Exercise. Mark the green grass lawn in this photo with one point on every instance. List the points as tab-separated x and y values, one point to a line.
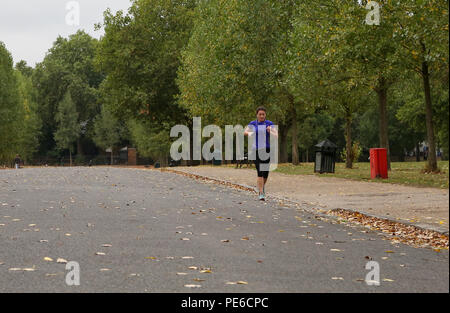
405	173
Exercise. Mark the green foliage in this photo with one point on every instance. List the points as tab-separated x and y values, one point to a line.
153	142
354	153
314	64
108	130
140	54
315	128
321	62
24	69
441	112
67	67
29	124
68	129
19	123
233	61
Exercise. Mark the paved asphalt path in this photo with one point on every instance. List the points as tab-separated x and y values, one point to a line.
142	217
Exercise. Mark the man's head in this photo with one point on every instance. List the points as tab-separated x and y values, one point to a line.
261	114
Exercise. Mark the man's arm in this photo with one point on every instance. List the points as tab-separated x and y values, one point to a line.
248	130
272	130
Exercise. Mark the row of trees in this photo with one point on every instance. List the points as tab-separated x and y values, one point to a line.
19	121
317	65
304	57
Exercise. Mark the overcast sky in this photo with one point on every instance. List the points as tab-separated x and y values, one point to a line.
28	28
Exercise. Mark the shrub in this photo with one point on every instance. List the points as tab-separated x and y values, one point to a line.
354	153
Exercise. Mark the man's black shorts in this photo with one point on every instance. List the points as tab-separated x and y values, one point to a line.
262	166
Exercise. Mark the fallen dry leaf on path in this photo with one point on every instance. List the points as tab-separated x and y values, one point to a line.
206	271
192	286
407	234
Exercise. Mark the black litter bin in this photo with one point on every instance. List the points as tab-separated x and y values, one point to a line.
325	157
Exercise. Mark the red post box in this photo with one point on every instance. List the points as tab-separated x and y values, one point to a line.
378	163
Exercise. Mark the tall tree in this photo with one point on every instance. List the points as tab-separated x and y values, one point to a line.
151	140
109	131
422	33
28	122
332	81
9	101
140	55
372	49
18	121
235	61
68	66
69	129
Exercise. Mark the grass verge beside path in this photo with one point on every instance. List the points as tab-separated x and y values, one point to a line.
405	173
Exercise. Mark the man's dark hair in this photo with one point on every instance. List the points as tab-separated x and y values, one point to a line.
260	109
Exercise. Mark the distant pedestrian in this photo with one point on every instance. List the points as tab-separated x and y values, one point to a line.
261	127
17	161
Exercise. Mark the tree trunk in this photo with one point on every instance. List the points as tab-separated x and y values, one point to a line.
191	161
112	156
295	159
432	162
283	131
348	141
79	147
383	122
307	155
70	156
417	152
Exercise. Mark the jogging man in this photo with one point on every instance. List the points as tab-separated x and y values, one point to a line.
261	127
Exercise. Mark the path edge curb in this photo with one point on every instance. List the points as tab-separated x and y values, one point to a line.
317	211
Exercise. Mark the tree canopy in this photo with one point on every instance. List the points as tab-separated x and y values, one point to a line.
331	69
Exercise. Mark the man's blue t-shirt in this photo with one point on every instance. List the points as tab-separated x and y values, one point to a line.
261	130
